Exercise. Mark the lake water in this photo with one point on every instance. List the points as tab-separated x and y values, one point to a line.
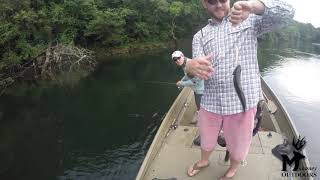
102	126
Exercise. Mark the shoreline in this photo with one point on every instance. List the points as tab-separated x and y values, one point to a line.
133	49
100	54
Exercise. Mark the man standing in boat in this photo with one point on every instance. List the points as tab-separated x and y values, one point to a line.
225	55
196	84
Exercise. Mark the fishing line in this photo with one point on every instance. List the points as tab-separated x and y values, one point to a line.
213	62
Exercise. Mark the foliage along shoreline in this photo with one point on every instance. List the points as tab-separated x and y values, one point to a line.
29	29
132	49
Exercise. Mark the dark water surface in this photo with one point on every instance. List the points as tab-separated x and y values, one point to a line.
102	126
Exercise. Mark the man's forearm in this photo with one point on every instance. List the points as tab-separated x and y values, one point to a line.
277	13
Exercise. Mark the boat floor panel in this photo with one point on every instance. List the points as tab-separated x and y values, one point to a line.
178	153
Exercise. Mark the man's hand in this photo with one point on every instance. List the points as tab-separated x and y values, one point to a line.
241	10
179	84
200	67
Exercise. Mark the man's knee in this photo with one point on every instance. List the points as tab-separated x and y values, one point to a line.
238	155
237	158
207	146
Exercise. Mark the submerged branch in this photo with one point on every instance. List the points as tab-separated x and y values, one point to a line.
49	65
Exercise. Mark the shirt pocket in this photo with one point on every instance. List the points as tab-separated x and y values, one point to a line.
240	28
240	37
239	33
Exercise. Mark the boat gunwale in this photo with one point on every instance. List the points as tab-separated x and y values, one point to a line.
160	135
306	162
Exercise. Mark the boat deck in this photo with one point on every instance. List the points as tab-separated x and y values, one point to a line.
178	153
172	150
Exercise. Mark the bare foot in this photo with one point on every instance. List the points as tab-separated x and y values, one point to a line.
229	174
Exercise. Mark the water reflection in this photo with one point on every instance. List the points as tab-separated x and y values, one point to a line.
295	79
98	128
299	76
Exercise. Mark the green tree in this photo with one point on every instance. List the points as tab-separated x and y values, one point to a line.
175	10
29	27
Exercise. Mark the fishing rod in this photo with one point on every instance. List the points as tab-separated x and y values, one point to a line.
159	82
163	83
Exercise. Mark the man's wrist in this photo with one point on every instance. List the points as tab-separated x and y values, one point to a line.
257	7
187	70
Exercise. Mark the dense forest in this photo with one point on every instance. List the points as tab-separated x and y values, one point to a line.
30	28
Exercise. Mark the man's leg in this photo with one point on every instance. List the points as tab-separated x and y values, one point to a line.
197	98
238	135
209	125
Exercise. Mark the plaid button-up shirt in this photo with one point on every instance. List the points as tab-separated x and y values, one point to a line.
232	46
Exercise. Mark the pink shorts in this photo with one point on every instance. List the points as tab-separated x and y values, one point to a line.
237	130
